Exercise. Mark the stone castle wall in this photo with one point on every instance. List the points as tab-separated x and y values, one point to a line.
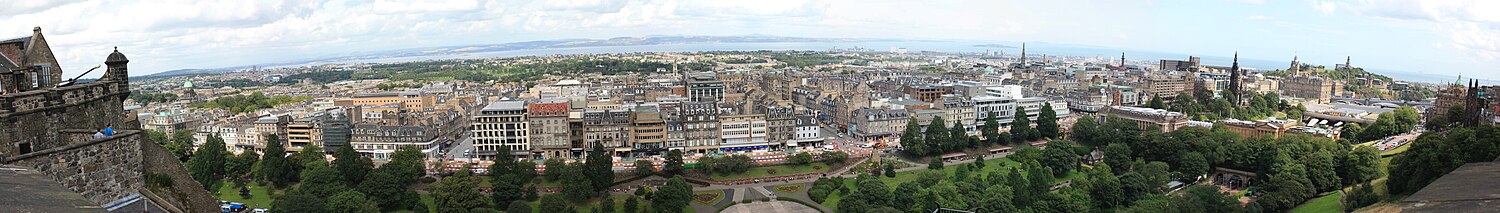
102	170
38	118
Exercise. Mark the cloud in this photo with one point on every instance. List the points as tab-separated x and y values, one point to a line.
1471	26
1250	1
1258	17
10	8
1326	7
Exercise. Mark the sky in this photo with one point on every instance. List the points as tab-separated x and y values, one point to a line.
1447	37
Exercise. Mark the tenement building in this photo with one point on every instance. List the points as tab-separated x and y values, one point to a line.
1312	88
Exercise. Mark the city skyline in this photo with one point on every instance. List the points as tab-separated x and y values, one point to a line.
1438	37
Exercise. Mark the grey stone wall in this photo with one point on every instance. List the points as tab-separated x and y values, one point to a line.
102	170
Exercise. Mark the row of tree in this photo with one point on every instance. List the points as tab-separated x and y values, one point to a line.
1401	120
937	138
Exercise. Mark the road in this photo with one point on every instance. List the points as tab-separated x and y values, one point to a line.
455	151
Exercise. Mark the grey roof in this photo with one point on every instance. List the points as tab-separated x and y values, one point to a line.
22	39
506	105
1470	188
116	57
29	191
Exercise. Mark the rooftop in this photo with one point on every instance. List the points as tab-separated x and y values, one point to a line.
506	105
1470	188
30	191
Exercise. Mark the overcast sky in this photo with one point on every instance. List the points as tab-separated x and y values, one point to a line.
1434	36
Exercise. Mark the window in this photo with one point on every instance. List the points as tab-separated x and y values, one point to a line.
24	147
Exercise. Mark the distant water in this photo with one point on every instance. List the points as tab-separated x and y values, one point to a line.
1034	49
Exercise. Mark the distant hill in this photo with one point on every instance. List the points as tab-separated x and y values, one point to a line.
525	45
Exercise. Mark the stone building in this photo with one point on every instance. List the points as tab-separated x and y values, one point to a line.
549	127
648	132
700	121
609	128
878	123
1148	118
781	124
1312	88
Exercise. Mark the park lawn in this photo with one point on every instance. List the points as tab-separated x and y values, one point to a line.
991	165
1326	203
1398	150
780	170
832	202
259	194
484	181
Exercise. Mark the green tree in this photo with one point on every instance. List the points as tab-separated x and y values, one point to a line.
911	139
389	191
959	139
352	165
1193	165
577	187
1117	154
935	164
519	207
991	129
835	157
996	198
936	136
320	180
1351	131
458	193
598	168
407	164
631	204
1361	165
674	164
673	196
553	168
1085	131
802	158
507	190
644	167
555	204
1156	103
207	165
1059	157
1157	174
1322	171
311	153
1107	189
241	165
297	202
890	170
1020	126
274	167
1046	121
350	202
607	205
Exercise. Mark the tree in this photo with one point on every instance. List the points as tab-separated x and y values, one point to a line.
1020	126
935	164
351	165
1046	122
382	186
631	204
801	158
350	202
890	170
991	129
673	196
311	153
911	139
606	206
598	168
1107	189
936	136
521	207
458	193
504	162
320	180
644	167
996	198
297	202
273	167
576	187
553	168
1156	103
1193	165
555	204
1322	171
182	143
1157	173
241	165
1085	131
207	165
407	164
835	157
506	191
1119	155
1059	157
1361	165
674	164
959	139
1134	186
1351	131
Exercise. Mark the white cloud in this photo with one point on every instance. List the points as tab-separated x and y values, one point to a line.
1471	26
1258	17
1326	7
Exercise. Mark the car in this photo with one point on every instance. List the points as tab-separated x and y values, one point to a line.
260	210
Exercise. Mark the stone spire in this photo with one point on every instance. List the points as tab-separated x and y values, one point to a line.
1347	65
1122	60
1023	54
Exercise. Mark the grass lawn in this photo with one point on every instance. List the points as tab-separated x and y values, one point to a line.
780	170
990	165
832	202
589	205
484	180
1327	203
259	195
1398	150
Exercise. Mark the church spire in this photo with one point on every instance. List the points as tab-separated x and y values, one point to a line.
1346	63
1122	60
1023	54
1234	79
